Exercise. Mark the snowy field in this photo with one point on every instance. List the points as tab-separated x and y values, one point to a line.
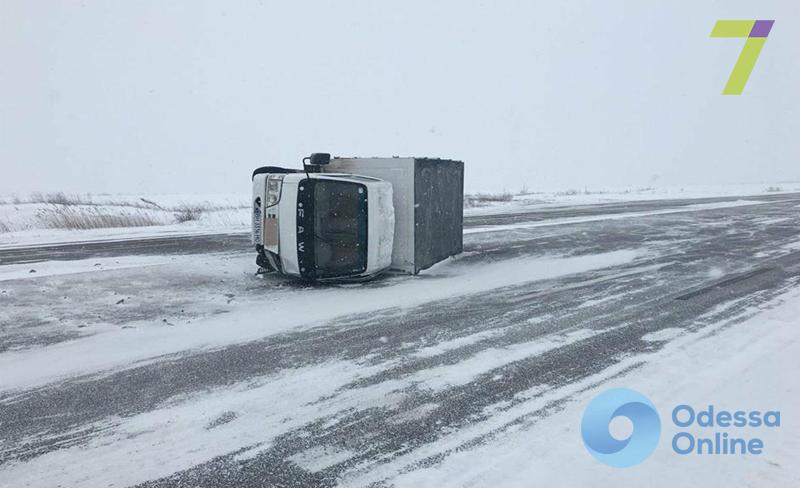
594	196
58	217
147	364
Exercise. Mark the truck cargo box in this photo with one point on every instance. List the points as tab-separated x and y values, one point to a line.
428	197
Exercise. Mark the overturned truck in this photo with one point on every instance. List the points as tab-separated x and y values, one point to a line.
350	219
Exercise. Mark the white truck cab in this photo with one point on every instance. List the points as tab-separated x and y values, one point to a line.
349	219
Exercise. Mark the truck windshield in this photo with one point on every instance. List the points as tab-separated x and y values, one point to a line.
339	222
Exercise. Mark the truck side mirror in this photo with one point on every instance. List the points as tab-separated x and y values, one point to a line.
317	159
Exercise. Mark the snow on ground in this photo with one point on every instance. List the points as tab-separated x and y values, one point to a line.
278	312
593	196
36	219
42	219
244	416
758	354
614	216
466	371
187	432
43	237
54	268
749	365
69	299
746	365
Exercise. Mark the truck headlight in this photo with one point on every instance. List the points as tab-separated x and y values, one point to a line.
274	184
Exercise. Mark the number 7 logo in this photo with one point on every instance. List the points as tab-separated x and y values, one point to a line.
756	32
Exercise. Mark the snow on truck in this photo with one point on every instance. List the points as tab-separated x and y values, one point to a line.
344	219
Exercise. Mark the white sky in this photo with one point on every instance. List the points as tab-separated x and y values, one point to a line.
189	96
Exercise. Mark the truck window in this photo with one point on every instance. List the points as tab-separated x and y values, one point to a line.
339	223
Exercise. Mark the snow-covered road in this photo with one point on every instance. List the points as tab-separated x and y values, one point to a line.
169	368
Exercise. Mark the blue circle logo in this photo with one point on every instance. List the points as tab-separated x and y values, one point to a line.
597	419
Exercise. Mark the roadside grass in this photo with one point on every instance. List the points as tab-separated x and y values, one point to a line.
70	211
74	199
572	192
483	199
82	218
188	213
96	217
59	198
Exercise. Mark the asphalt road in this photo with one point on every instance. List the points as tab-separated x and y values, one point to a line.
700	267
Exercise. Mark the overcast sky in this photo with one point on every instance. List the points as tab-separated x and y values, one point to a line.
189	96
